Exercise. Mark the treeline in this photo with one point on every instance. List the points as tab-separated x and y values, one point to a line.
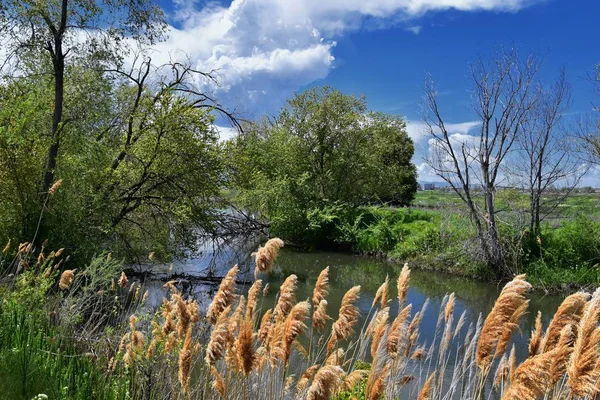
102	149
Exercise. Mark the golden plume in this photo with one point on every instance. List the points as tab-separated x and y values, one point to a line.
397	331
530	380
123	280
224	296
427	389
66	279
294	326
320	316
569	313
185	361
245	347
536	336
510	301
379	327
306	377
321	288
326	382
343	327
265	256
253	294
583	366
381	296
219	339
55	187
287	297
402	285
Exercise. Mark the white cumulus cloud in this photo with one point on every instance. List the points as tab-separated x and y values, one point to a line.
263	50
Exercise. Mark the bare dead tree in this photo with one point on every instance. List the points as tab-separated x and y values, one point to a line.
546	157
589	130
504	96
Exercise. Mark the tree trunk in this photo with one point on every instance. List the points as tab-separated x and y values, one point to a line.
58	64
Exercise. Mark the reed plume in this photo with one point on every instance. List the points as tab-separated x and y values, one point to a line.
321	288
381	296
502	372
320	316
265	256
379	328
402	285
253	294
185	361
287	297
560	361
122	282
336	358
449	309
536	336
294	326
427	389
224	296
265	325
219	339
397	332
245	347
343	327
306	377
530	380
378	386
218	383
326	382
55	187
583	369
66	279
510	301
418	354
509	328
354	378
569	313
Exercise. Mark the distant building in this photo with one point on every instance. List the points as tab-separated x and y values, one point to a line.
428	186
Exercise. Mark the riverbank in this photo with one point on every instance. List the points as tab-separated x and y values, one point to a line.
440	237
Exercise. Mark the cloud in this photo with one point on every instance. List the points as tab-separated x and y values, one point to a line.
416	29
226	132
263	50
417	130
591	177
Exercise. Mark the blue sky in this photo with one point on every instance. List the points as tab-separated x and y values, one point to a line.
265	50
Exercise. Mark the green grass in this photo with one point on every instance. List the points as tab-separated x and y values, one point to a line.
511	200
37	359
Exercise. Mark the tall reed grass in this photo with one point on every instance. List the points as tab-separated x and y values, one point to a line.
300	350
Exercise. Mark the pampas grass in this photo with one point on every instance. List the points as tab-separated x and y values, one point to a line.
224	297
238	350
265	256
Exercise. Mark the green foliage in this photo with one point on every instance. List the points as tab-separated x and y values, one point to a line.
569	253
36	359
321	158
358	391
131	188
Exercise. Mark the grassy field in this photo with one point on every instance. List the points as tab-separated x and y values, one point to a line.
511	200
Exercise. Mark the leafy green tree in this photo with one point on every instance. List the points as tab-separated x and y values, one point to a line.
323	156
58	31
140	161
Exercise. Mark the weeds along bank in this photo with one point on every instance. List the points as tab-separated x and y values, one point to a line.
564	254
80	334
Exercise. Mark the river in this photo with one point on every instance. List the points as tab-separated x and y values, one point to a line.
346	270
